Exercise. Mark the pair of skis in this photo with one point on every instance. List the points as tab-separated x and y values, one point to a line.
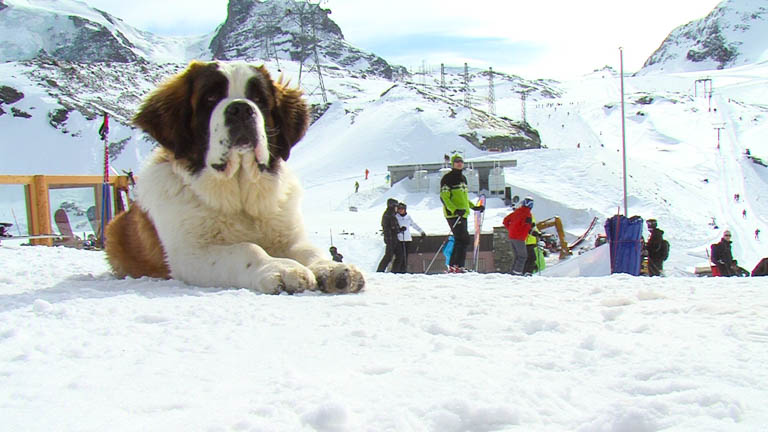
479	216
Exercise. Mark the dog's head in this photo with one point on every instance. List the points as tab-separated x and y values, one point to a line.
218	116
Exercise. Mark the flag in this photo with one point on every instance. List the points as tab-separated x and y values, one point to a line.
104	129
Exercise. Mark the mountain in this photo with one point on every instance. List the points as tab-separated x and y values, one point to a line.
733	34
70	30
286	29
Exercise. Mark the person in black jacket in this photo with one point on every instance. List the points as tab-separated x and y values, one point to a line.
390	228
654	248
722	257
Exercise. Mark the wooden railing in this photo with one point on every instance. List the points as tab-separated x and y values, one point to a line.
36	194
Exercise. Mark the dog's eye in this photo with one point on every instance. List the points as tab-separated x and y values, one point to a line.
211	99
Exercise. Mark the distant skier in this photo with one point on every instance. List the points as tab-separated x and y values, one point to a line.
744	213
335	255
404	236
390	229
357	186
757	234
519	224
366	173
456	206
655	248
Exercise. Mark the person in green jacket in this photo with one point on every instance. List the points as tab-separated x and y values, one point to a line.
456	206
531	242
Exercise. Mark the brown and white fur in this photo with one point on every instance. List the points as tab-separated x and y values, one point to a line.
216	204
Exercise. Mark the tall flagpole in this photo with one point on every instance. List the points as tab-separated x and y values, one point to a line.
623	135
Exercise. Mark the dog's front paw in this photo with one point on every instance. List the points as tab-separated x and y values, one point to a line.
334	277
284	275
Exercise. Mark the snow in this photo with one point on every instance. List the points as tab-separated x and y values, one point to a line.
82	350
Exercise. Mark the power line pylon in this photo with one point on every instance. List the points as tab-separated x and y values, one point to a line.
523	99
467	101
306	18
442	79
491	93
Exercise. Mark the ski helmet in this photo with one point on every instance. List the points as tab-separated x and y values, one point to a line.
402	206
527	202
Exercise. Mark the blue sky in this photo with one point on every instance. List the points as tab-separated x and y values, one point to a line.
534	39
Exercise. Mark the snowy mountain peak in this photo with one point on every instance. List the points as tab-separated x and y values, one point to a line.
733	34
286	29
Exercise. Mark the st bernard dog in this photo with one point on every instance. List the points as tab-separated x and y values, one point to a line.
216	205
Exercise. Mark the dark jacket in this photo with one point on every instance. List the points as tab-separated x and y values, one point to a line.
654	245
721	253
389	225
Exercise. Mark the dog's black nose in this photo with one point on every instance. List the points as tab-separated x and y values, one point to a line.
238	110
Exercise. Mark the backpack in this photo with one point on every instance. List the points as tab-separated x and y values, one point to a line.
664	250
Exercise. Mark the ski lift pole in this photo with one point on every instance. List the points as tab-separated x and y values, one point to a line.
105	193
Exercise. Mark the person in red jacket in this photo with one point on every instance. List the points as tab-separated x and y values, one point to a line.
519	223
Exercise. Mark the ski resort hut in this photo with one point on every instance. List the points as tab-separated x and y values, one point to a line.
420	180
496	181
473	179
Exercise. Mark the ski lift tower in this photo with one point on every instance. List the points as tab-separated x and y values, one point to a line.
270	51
467	102
305	14
706	84
442	79
523	99
491	93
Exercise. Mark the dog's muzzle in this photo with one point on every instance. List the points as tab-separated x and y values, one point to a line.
240	120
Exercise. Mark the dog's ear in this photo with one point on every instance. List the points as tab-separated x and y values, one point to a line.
291	117
166	114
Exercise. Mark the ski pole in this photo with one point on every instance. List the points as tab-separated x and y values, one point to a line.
441	246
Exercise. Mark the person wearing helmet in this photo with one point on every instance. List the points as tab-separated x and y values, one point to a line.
335	255
389	229
519	224
654	248
456	205
404	237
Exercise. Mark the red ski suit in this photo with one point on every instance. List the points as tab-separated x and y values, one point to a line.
519	223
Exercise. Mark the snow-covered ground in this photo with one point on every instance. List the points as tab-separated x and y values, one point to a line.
80	350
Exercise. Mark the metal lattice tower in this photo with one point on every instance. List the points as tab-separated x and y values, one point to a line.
442	79
467	101
303	14
491	93
523	99
270	50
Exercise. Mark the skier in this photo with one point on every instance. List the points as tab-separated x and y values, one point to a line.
404	236
335	255
519	224
357	186
757	234
390	229
744	213
456	206
366	173
655	248
721	255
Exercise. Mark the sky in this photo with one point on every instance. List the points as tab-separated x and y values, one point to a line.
559	38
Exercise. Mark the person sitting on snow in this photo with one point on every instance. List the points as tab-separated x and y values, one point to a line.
722	257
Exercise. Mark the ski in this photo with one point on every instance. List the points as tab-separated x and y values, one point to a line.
478	230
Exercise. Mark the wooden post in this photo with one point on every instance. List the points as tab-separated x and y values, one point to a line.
41	211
